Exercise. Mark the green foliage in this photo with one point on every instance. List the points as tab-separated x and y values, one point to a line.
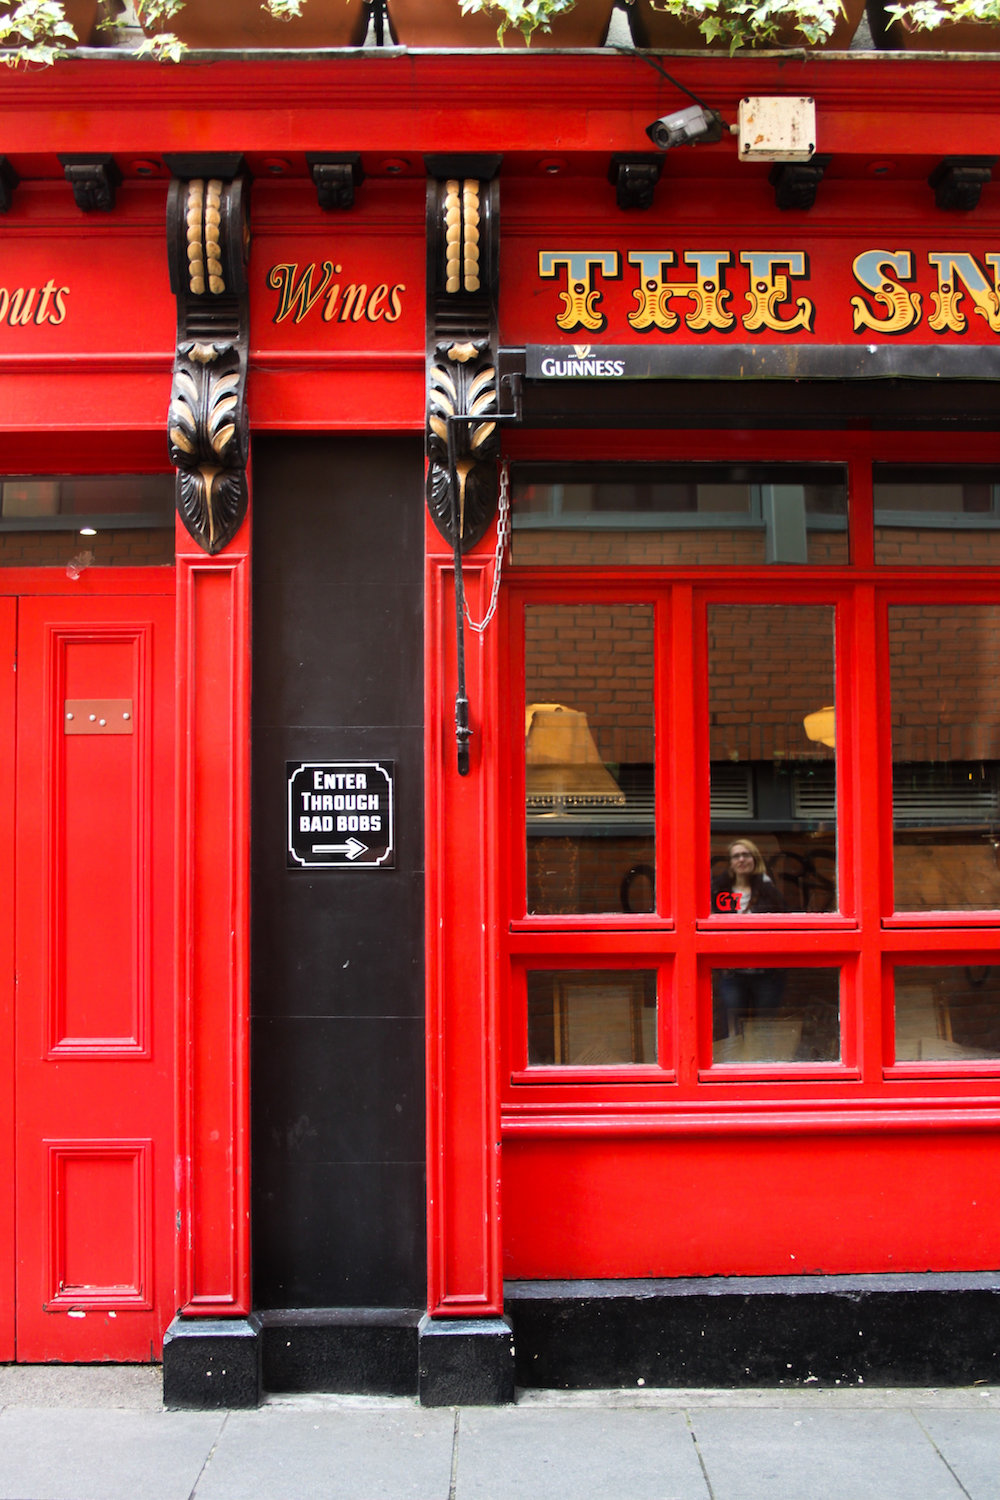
758	23
37	31
928	15
34	32
525	16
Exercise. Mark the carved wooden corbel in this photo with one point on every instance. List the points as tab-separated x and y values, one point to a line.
462	383
208	241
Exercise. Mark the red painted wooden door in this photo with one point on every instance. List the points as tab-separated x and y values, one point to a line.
93	951
8	641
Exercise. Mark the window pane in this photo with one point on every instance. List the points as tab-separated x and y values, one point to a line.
110	548
936	516
775	1015
589	757
947	1013
653	514
591	1017
945	756
773	753
66	500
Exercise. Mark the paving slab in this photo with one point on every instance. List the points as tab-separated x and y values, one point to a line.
280	1453
969	1442
821	1454
102	1454
131	1387
536	1454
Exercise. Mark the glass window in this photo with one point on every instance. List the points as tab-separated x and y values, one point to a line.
651	514
589	757
591	1017
946	756
934	516
65	502
775	1015
772	738
947	1013
81	521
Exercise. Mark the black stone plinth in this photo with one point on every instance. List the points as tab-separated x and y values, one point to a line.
465	1362
212	1362
876	1330
364	1351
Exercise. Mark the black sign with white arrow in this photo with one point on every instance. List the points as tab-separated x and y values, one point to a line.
341	815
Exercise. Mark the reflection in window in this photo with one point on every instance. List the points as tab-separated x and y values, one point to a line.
773	750
591	1017
77	521
589	757
947	1013
946	754
927	516
655	514
768	1015
64	501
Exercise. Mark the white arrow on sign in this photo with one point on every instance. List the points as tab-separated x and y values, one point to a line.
353	848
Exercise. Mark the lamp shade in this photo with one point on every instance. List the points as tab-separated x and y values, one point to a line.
822	726
562	763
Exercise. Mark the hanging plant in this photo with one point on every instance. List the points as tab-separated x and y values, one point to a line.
523	16
35	32
928	15
758	23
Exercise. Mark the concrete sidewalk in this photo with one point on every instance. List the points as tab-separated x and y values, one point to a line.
100	1433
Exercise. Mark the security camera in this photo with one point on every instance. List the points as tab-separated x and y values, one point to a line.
686	127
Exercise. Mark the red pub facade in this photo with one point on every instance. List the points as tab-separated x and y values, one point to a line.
385	1010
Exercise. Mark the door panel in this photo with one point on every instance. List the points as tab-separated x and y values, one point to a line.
94	846
8	625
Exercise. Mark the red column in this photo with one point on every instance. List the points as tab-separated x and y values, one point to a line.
213	833
465	1277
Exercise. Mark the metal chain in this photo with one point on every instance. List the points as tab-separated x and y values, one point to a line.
503	534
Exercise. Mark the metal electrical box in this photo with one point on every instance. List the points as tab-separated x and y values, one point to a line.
777	129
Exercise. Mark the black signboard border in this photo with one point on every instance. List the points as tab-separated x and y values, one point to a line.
387	861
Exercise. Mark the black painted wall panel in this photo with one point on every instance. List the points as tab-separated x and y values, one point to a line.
337	956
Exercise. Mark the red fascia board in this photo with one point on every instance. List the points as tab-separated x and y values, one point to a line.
393	101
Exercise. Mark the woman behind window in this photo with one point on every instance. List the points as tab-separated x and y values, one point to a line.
746	994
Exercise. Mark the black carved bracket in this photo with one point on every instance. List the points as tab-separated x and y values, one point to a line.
958	181
795	183
634	179
8	182
208	243
94	179
462	337
337	179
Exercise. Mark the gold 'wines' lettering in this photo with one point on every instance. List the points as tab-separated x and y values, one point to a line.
23	306
303	289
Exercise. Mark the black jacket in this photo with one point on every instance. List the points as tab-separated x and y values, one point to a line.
764	895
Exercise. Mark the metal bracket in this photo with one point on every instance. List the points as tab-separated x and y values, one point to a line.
8	182
958	181
634	179
94	180
795	182
98	716
337	179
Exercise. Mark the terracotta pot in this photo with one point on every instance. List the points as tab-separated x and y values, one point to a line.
960	36
235	24
651	28
82	16
440	23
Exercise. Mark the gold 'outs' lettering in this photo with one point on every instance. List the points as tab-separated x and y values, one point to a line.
313	286
25	305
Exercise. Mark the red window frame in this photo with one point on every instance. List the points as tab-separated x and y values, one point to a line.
866	938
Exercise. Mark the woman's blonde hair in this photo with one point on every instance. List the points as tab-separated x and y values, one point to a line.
759	867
